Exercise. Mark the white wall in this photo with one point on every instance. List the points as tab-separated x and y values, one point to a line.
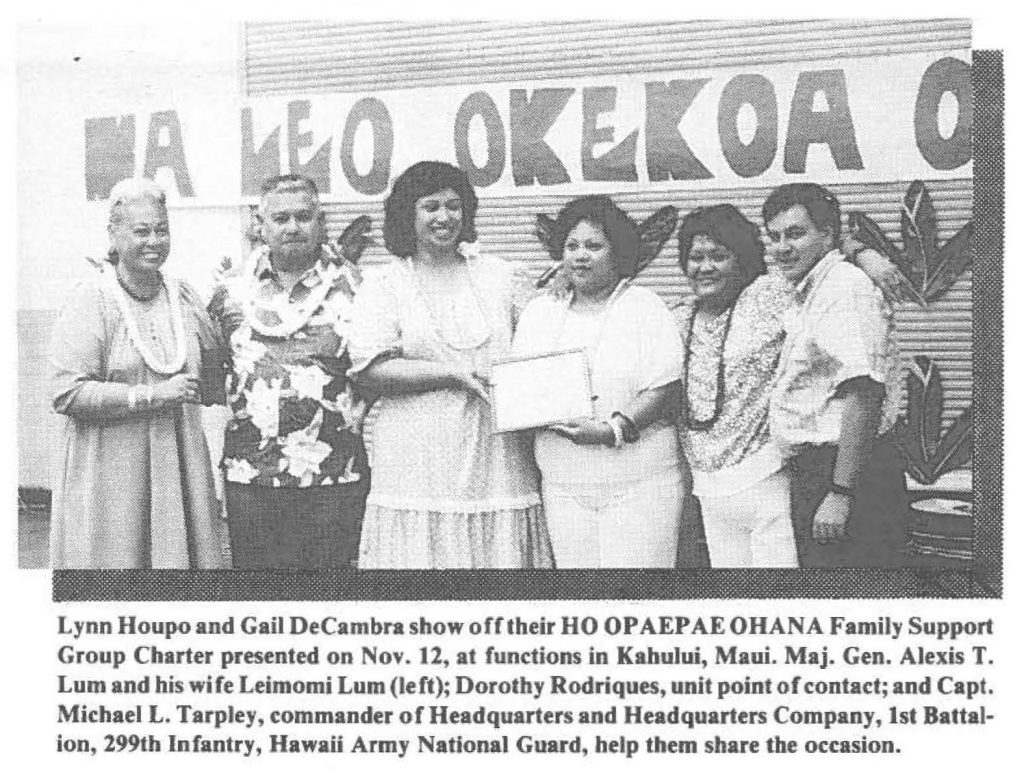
64	75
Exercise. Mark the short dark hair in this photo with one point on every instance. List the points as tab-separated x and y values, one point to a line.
819	202
726	225
419	180
618	227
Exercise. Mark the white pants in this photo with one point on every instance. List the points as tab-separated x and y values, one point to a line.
615	525
751	528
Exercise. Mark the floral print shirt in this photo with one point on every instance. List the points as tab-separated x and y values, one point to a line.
734	451
294	416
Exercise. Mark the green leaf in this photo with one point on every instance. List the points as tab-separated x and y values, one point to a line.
355	238
929	453
866	231
931	412
654	232
917	223
917	464
924	409
544	229
952	260
957	445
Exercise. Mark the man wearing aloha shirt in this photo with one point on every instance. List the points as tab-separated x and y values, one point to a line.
295	467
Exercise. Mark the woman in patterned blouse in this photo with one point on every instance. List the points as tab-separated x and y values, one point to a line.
732	337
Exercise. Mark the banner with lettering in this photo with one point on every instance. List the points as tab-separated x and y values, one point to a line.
854	120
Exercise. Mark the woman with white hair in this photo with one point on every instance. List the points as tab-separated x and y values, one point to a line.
133	356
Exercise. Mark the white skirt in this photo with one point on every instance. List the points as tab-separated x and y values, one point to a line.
397	539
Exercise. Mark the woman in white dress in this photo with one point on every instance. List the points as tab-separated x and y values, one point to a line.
445	490
613	486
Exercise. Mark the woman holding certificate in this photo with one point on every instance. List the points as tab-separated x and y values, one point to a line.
446	490
613	484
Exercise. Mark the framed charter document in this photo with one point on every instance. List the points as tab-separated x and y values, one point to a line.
538	390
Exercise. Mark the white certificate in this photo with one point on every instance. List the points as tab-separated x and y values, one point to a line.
538	390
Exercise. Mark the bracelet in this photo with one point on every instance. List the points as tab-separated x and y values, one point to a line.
838	489
629	430
616	432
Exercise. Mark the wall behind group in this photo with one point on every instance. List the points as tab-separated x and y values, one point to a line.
66	74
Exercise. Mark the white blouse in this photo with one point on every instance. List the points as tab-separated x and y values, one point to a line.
840	329
632	346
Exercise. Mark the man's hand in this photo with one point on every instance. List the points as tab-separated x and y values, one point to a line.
831	518
885	275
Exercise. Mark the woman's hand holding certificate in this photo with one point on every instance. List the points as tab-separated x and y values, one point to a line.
586	432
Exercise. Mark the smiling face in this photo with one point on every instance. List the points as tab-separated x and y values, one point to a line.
438	222
589	259
795	244
292	224
716	272
140	236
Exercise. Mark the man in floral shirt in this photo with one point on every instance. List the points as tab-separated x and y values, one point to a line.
295	467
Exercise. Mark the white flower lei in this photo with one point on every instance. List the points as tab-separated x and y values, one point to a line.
292	319
177	360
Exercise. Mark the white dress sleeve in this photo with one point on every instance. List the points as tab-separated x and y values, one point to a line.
375	329
660	347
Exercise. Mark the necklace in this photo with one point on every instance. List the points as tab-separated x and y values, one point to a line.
177	360
293	318
133	295
693	423
461	344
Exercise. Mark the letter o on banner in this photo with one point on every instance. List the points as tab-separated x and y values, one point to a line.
480	103
953	76
376	180
749	160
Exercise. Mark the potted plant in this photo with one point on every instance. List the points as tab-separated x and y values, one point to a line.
938	461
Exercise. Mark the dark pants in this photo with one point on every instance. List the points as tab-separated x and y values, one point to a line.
692	551
282	527
878	517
